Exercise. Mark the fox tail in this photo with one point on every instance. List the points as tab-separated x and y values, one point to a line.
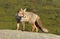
39	22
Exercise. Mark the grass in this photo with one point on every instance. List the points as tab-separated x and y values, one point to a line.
50	14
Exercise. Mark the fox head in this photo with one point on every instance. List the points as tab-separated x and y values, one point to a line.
21	12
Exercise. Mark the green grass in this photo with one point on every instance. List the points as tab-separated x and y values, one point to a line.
49	13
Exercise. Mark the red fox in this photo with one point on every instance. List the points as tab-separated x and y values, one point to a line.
23	16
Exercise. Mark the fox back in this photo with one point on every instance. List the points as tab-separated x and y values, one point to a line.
30	17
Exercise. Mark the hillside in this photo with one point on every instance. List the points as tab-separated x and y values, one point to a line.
14	34
48	10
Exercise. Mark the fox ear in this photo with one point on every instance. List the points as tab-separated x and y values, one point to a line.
21	9
24	9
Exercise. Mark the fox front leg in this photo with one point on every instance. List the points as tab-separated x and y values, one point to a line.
17	27
18	24
23	25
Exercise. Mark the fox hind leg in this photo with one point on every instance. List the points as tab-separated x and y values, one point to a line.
34	27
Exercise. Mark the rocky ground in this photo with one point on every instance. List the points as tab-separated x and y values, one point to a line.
17	34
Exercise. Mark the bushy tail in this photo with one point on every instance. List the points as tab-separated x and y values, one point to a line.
39	21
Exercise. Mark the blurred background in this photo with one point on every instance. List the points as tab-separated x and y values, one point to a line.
48	10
